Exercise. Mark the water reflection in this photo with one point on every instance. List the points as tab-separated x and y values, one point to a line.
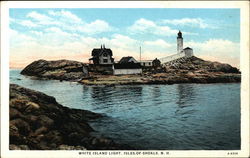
116	94
156	93
186	94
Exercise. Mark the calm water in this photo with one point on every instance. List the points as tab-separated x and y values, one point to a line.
179	116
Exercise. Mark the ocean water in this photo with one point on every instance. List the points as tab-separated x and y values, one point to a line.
170	117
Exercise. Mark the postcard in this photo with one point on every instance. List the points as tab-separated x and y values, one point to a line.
125	79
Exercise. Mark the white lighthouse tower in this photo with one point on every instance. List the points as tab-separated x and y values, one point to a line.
179	42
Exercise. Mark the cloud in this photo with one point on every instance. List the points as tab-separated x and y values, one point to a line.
66	15
144	26
28	23
216	47
123	41
158	43
19	39
217	50
37	33
40	18
71	22
97	26
65	20
191	22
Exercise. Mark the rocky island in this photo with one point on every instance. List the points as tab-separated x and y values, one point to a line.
38	122
187	70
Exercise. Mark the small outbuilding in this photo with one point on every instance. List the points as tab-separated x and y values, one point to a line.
188	52
128	59
127	66
127	69
146	63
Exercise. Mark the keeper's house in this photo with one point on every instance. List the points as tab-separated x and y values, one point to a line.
127	66
102	56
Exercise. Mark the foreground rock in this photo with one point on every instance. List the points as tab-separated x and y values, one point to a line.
188	70
58	70
38	122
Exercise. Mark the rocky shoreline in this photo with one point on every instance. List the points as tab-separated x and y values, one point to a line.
38	122
163	78
188	70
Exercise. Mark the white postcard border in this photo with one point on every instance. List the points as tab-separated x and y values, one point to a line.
244	58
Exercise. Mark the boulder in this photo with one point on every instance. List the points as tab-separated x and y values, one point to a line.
59	70
22	126
44	120
195	63
14	147
224	68
38	122
68	147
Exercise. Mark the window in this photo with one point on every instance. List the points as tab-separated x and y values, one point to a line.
105	60
149	63
105	54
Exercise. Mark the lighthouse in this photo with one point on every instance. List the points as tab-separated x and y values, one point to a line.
179	42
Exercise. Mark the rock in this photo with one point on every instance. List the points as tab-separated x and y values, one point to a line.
24	147
74	137
31	106
67	147
224	68
40	130
14	133
44	120
38	122
58	70
194	63
14	113
55	136
14	147
22	126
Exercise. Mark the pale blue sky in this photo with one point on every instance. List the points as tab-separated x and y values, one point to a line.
58	33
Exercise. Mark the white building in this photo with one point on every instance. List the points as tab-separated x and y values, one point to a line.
181	53
127	69
187	51
179	42
127	66
146	63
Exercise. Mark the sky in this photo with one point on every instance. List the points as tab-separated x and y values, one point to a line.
63	33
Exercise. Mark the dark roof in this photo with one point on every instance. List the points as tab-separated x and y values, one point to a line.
187	48
125	59
100	51
127	66
179	34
